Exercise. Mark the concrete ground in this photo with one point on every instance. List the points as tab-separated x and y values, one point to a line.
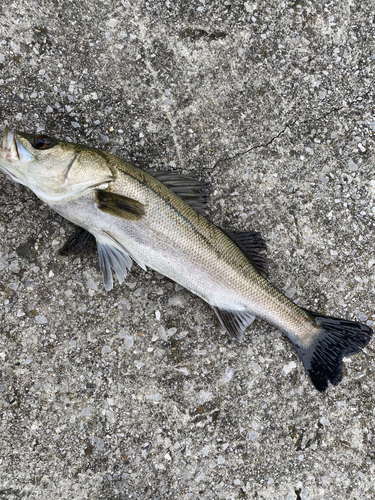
137	393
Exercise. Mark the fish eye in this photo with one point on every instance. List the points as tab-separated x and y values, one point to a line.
42	142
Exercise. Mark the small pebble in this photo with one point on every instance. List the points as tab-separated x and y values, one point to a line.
289	367
41	320
178	300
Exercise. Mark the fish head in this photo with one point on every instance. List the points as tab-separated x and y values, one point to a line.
53	169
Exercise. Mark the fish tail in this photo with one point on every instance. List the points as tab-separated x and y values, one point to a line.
336	339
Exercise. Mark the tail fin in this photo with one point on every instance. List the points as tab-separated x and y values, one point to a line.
337	338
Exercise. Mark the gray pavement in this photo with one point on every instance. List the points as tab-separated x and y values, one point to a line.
137	393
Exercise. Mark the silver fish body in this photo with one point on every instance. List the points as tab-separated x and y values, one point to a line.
135	216
176	241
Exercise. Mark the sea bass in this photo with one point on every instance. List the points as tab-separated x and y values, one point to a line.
155	219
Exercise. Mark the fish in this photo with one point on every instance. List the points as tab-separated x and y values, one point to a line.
157	219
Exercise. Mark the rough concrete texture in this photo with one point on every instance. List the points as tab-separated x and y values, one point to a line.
137	393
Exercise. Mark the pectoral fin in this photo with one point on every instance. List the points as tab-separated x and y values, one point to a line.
234	322
119	206
79	243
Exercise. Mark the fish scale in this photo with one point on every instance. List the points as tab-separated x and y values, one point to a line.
134	216
206	246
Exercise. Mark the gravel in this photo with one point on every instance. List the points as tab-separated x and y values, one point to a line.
138	393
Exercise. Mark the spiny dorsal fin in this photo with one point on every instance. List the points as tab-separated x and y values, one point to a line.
119	206
234	322
79	243
252	244
191	190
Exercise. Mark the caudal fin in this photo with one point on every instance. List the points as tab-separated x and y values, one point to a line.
337	338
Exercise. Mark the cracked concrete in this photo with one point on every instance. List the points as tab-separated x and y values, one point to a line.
137	393
284	128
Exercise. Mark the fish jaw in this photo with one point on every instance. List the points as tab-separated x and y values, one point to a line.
14	158
9	151
13	150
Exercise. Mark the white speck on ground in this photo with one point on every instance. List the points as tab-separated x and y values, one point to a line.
289	367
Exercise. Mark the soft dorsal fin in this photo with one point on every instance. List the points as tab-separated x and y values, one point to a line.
119	206
252	245
191	190
79	243
234	322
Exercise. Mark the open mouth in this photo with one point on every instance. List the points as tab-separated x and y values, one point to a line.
12	155
13	150
9	152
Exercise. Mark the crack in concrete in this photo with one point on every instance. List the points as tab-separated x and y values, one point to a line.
289	124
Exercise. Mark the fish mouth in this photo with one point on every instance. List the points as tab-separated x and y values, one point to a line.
9	151
14	156
13	150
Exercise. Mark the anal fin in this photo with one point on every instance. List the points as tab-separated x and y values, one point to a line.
234	322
